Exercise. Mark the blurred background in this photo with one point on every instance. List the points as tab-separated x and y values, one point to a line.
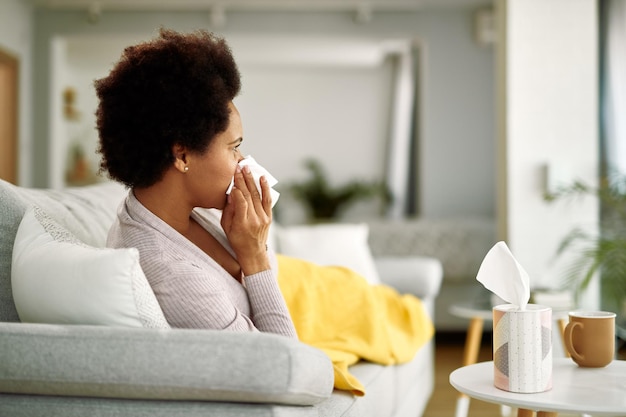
476	116
469	112
367	88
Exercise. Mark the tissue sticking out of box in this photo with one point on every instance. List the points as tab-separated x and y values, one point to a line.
501	274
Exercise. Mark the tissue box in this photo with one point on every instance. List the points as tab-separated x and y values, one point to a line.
522	348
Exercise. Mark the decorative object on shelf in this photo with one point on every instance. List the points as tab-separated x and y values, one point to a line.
324	202
69	104
604	254
79	173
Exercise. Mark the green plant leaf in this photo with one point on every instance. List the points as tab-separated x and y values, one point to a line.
325	202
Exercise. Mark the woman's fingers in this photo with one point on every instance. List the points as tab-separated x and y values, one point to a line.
239	203
266	199
250	183
248	209
258	202
246	220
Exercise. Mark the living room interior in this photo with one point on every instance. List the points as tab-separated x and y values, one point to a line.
467	110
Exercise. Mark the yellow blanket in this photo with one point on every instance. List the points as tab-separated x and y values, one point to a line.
337	311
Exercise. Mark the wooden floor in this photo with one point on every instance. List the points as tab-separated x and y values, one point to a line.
448	357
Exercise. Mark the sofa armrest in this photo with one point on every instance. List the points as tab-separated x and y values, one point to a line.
417	275
174	364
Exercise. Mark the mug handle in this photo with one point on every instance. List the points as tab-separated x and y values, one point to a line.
569	345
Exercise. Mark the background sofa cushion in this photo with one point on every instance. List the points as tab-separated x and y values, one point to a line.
58	279
337	244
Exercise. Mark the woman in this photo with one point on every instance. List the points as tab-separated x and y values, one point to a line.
170	132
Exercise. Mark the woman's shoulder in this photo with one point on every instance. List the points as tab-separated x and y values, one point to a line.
135	226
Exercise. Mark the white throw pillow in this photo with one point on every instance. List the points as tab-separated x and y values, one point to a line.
339	244
58	279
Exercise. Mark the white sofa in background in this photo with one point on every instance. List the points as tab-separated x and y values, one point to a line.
89	370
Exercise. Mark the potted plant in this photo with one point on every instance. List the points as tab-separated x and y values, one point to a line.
324	202
605	253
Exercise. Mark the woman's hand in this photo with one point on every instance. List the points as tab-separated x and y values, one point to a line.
246	220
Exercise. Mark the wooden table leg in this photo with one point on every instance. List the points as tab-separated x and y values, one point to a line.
562	325
472	341
522	412
470	355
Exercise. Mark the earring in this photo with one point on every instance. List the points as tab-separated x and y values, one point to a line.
186	169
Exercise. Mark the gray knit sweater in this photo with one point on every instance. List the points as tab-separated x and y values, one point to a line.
193	290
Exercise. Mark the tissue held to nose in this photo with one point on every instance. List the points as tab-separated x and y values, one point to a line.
257	172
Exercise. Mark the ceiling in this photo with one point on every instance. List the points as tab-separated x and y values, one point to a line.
257	5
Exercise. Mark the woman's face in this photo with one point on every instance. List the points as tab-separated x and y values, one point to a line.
212	172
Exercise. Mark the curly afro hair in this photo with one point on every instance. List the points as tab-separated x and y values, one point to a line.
172	90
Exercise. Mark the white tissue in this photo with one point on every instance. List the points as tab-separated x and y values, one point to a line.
257	172
501	274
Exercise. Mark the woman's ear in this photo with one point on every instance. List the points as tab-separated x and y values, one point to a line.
180	158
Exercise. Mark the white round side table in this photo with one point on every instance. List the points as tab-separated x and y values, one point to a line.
575	390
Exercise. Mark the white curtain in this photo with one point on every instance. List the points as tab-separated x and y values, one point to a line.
614	86
401	134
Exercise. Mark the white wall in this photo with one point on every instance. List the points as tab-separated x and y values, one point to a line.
456	166
330	103
547	115
338	115
16	38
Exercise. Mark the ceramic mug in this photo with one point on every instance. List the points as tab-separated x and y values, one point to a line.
590	338
522	348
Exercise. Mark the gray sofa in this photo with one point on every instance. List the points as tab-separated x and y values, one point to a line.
459	243
86	370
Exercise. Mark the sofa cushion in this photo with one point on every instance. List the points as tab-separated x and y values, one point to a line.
87	212
11	212
336	244
158	364
415	383
58	279
24	405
